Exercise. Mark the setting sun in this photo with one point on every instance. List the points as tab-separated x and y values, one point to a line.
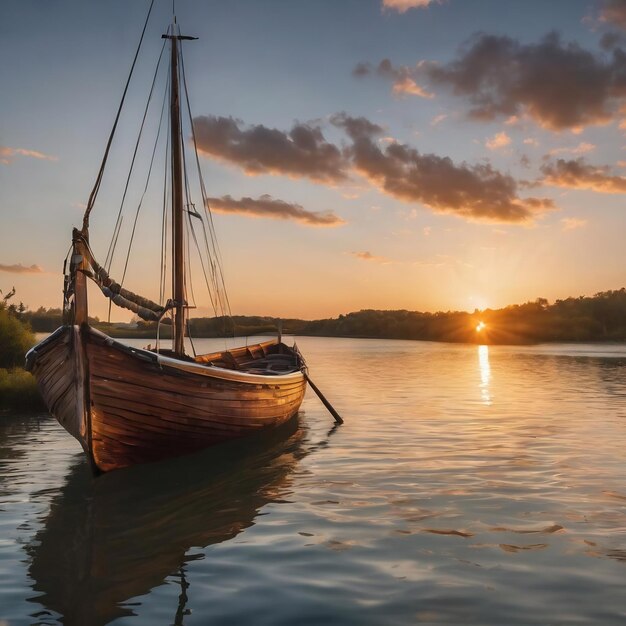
480	326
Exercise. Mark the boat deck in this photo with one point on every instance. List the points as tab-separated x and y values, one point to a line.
270	358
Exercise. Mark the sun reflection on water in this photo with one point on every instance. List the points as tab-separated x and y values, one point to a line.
485	373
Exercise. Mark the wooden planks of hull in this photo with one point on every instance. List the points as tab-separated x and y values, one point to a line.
53	363
141	407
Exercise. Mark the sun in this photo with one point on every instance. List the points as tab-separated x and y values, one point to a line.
480	326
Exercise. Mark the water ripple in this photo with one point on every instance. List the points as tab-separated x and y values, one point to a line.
468	485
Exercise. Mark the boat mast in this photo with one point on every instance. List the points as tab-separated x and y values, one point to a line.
178	254
178	257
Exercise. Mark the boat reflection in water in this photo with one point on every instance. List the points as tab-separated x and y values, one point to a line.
115	537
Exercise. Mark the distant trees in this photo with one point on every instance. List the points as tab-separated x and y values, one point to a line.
601	317
598	318
44	320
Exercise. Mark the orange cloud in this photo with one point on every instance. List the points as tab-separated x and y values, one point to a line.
403	77
577	174
581	148
402	6
266	206
7	154
18	268
368	256
499	140
407	85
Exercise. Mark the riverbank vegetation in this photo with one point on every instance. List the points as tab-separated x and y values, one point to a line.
18	389
601	317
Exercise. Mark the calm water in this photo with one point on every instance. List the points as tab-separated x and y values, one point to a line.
468	485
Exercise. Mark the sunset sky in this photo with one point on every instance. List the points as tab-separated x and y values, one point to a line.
388	154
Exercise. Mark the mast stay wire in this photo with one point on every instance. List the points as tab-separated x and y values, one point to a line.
213	252
216	257
191	230
118	223
96	187
132	236
163	261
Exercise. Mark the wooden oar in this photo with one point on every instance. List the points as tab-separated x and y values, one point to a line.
325	402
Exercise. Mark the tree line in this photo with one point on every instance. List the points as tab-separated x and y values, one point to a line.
601	317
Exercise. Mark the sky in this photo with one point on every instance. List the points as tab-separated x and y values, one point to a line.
385	154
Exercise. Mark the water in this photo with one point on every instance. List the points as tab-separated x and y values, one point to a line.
468	485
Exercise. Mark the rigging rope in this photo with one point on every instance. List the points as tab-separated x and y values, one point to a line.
209	254
94	191
118	223
132	236
215	258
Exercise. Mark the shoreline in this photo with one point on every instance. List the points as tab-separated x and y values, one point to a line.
150	335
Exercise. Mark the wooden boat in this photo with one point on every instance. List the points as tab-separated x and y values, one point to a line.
127	405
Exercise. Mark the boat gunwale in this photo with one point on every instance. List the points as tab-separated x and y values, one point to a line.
41	346
166	362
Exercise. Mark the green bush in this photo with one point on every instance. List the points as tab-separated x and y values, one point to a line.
18	390
16	338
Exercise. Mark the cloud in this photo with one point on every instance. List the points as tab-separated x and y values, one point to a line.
614	12
18	268
403	77
368	256
7	154
499	140
301	152
471	191
559	85
407	85
402	6
476	192
577	174
266	206
572	223
581	148
531	141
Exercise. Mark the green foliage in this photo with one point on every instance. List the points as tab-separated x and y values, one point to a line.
18	391
43	320
16	337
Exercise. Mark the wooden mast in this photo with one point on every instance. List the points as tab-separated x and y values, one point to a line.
178	256
178	244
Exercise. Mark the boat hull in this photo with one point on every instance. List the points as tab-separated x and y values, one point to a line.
128	406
